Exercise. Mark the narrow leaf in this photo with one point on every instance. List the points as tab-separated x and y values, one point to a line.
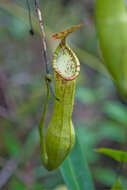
116	111
75	170
119	156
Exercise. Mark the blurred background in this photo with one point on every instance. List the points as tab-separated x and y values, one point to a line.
99	116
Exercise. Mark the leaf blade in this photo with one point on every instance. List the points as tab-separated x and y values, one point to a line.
80	170
117	155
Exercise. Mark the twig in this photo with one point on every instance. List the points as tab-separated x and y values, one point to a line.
8	170
44	47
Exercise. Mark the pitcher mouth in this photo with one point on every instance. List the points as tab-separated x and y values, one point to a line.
65	63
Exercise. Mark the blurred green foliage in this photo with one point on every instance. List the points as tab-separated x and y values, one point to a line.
99	115
117	186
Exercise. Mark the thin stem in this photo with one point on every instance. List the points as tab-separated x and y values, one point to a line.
44	47
30	19
41	124
52	92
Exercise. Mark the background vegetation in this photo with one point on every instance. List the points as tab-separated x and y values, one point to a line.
99	117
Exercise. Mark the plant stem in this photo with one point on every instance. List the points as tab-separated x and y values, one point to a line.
44	47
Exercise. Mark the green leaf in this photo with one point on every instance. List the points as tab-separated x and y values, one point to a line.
112	30
85	95
105	176
116	111
11	142
115	154
117	186
112	130
16	184
88	141
38	186
75	170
